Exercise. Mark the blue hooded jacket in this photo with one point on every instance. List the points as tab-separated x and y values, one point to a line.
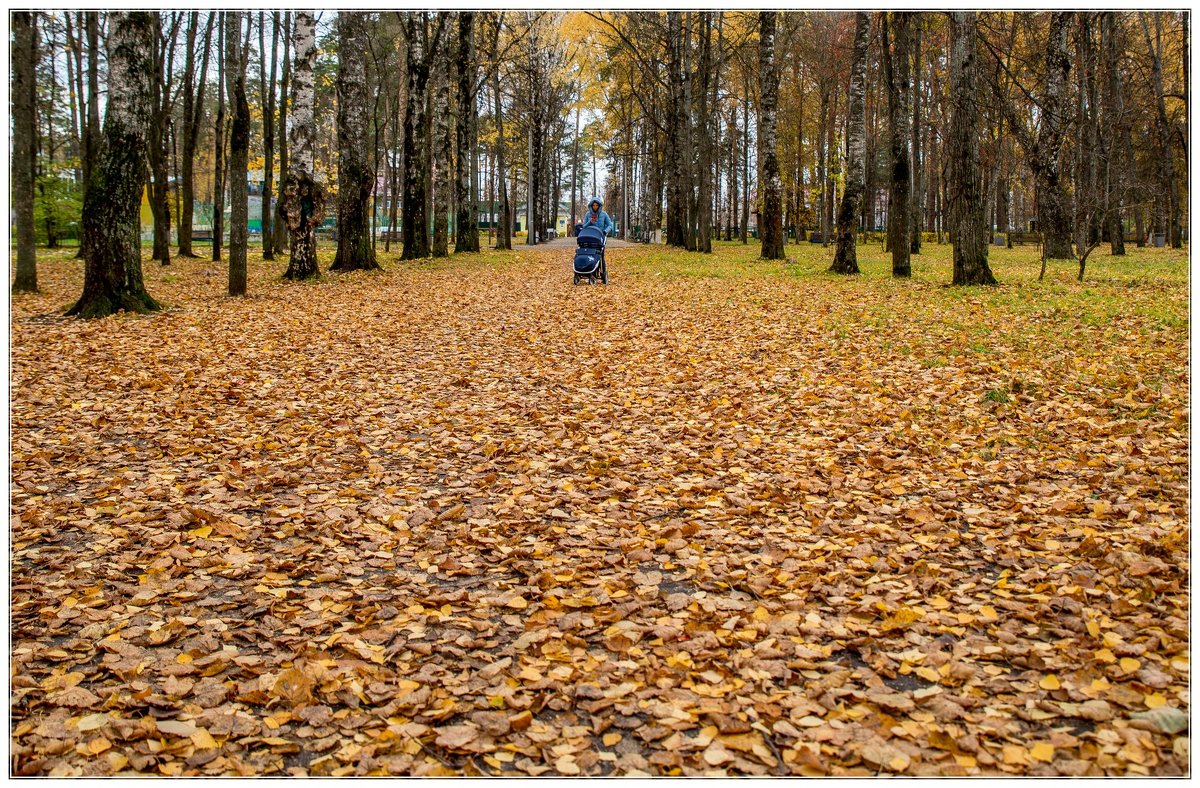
601	220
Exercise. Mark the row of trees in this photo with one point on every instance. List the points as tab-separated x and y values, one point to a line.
704	119
865	111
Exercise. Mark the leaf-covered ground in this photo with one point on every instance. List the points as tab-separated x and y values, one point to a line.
720	517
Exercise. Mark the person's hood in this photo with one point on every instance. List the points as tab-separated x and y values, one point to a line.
595	199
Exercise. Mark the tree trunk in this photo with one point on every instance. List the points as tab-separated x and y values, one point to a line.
504	222
845	259
443	143
678	180
466	229
304	196
281	234
745	158
771	213
1053	221
916	206
968	229
355	177
1169	186
415	221
160	98
218	221
896	69
267	100
1116	160
704	161
193	114
239	152
24	100
111	203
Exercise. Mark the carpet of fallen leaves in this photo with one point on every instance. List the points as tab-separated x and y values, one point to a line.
720	517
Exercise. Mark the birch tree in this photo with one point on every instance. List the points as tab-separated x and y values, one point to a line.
899	91
112	200
770	185
845	258
239	152
355	176
304	196
967	227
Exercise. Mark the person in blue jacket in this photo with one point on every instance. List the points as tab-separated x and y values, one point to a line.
595	216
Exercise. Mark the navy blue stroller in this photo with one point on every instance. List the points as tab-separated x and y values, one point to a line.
589	256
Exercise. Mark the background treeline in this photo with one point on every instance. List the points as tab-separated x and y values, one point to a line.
430	130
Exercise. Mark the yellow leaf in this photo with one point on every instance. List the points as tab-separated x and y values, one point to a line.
1093	629
98	745
203	740
929	674
1129	664
611	738
1104	655
989	612
1155	700
202	532
965	761
184	658
1014	755
1049	682
1100	684
1042	751
517	603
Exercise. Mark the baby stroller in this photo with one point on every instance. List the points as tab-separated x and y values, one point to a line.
589	256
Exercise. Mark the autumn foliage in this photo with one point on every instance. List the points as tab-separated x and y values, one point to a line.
724	516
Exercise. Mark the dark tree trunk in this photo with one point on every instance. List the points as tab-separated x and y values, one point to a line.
704	162
415	221
193	114
49	152
1116	158
1168	185
1053	220
304	196
239	152
745	160
845	259
355	177
91	129
281	234
968	230
466	236
111	202
771	217
160	98
24	101
266	90
443	143
504	223
218	222
916	203
896	69
678	182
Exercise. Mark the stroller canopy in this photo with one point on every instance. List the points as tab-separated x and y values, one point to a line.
590	237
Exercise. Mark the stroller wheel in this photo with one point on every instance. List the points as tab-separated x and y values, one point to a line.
604	273
591	280
576	282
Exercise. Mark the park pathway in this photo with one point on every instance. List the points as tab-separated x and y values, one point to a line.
463	517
